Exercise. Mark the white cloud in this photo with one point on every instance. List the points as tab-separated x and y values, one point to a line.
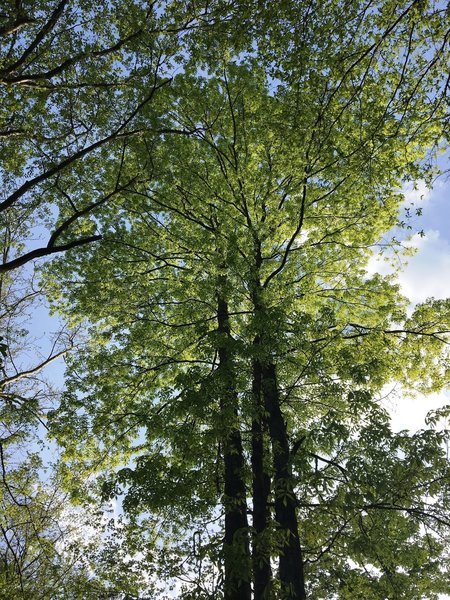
409	413
416	193
425	274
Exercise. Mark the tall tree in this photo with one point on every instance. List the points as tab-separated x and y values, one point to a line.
280	343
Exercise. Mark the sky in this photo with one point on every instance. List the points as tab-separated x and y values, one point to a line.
423	275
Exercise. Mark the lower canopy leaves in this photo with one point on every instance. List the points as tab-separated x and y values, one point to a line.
228	393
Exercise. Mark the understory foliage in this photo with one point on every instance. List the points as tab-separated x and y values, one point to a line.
211	182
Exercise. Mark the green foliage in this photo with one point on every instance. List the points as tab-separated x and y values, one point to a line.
253	153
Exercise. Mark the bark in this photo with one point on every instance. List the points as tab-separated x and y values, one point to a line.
262	572
290	557
236	543
290	560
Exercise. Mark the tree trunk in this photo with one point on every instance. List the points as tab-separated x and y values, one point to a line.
262	572
236	540
290	561
290	557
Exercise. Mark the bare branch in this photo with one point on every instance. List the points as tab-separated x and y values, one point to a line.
34	370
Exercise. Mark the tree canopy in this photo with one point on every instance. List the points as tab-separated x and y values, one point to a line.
214	180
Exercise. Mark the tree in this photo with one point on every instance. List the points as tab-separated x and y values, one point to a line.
76	80
228	304
35	556
48	547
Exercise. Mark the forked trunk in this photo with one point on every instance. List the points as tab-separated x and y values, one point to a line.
290	555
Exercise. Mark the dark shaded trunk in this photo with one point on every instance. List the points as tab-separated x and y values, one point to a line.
290	561
262	573
290	556
236	539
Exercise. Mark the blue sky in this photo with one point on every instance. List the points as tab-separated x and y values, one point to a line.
425	274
